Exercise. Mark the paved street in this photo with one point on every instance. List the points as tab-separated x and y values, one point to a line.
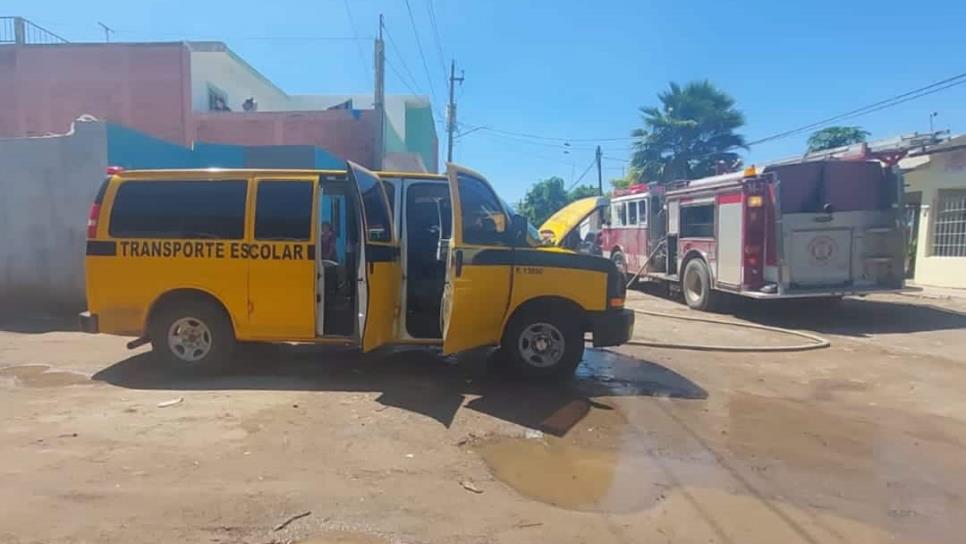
859	443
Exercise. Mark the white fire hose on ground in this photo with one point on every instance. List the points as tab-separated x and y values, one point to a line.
815	341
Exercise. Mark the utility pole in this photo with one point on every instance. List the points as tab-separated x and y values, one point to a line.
107	32
451	108
379	97
600	176
931	117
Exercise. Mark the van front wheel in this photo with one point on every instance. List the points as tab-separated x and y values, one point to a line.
543	344
192	336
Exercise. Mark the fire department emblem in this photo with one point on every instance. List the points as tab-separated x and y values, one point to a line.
821	249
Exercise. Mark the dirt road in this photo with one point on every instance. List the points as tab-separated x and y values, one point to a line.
859	443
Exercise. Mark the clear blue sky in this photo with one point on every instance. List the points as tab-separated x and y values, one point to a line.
580	69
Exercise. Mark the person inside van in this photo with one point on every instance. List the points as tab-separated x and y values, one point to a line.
328	242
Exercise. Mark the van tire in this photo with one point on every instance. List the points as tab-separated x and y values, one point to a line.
192	336
696	286
550	328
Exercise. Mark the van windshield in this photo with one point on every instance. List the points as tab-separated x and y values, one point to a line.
836	186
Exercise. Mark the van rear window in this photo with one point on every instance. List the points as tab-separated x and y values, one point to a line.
179	209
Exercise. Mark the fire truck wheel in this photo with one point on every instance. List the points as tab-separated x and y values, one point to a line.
192	336
543	344
696	286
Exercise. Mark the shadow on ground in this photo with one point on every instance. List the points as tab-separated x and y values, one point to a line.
38	323
853	316
423	382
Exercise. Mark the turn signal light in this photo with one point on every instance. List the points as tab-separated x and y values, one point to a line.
616	302
755	201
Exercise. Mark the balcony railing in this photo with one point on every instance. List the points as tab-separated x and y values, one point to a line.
19	31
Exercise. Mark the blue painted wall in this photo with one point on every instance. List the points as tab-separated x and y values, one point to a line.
135	150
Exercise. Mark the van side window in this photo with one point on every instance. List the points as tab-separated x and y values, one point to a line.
697	221
484	221
179	209
376	206
632	213
283	210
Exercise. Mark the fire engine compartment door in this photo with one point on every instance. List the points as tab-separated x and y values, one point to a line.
729	238
818	257
479	264
379	271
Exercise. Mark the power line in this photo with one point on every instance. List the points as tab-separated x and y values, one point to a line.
402	61
419	46
400	76
589	166
870	108
362	56
439	43
557	139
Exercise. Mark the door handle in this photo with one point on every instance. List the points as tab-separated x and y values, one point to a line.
458	258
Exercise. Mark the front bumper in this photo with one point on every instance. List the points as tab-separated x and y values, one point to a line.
88	322
612	327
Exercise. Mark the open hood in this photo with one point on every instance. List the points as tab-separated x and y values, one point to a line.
566	219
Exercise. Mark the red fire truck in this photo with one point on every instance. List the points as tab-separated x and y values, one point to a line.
821	229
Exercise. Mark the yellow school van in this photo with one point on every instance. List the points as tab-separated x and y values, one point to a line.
195	261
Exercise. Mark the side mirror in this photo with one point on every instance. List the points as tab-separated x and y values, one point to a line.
518	229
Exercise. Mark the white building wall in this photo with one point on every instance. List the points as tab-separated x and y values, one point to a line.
943	171
48	185
235	78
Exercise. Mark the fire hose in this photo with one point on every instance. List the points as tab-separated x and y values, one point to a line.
815	341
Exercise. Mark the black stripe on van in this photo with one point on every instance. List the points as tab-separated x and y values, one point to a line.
381	254
101	248
533	257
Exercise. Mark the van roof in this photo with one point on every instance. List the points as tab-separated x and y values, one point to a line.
195	172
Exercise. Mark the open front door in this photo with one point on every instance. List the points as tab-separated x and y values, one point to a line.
479	264
379	273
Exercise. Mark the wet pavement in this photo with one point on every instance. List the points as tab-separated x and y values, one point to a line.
863	442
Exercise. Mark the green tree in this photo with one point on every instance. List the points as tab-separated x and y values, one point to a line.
832	137
688	134
544	198
631	176
582	191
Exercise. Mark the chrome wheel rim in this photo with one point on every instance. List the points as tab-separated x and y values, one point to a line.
541	345
189	338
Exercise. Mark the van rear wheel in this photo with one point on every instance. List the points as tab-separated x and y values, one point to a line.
545	344
192	335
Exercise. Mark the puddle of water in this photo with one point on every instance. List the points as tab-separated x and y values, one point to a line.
593	468
604	372
40	376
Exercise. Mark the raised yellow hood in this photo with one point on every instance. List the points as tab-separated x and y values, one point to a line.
569	217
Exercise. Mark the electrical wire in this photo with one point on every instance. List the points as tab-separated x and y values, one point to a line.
439	43
400	76
402	60
575	183
419	46
876	106
362	56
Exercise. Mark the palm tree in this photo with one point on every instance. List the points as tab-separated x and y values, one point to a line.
688	134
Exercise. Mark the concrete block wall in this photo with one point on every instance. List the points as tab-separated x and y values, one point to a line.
48	185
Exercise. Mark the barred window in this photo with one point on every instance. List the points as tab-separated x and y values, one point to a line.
949	227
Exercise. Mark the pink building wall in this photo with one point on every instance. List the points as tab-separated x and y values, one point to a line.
147	87
142	86
338	131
